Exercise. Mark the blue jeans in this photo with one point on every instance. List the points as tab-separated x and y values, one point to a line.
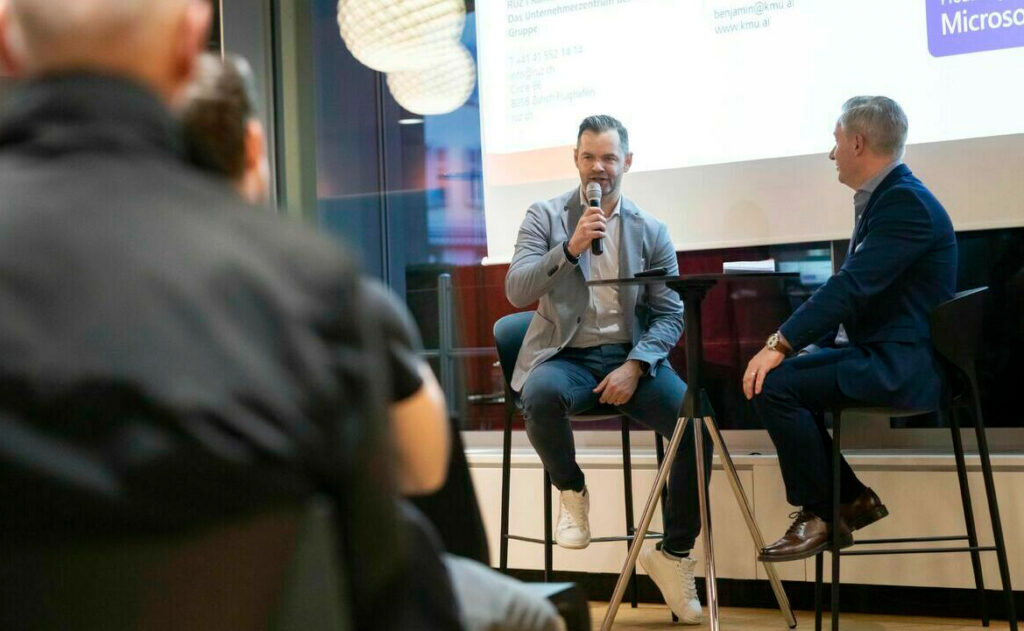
563	386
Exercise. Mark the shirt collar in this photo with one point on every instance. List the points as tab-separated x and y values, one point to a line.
863	194
876	179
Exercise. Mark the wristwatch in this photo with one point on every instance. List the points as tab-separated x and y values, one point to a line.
776	342
568	255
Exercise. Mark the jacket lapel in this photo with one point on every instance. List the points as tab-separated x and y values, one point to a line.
631	242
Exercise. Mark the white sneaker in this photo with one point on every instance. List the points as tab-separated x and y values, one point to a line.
573	529
674	577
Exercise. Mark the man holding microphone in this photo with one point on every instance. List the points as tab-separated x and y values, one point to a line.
603	344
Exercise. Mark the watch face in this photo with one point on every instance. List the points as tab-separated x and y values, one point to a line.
773	341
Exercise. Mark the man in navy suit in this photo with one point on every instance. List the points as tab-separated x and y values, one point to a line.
862	339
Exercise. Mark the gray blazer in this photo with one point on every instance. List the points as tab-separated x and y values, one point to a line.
540	271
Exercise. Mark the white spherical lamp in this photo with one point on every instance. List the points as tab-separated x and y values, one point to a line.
400	35
439	89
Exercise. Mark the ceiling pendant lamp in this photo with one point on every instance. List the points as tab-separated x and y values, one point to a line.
396	35
417	43
439	89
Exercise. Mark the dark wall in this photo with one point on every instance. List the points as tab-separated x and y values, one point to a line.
995	259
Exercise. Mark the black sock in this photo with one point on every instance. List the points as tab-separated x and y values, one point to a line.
682	555
576	486
823	510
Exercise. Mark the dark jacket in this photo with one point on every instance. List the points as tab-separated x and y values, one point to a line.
168	356
902	265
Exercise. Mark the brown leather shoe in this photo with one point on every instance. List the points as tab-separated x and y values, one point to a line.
863	511
807	536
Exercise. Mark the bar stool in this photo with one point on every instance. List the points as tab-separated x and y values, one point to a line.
509	333
956	327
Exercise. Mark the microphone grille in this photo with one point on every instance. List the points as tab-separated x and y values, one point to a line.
593	191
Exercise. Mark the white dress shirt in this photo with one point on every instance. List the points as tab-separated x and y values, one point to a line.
603	320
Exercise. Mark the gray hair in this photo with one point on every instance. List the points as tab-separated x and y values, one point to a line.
600	123
880	120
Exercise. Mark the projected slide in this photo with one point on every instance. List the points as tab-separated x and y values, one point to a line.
731	104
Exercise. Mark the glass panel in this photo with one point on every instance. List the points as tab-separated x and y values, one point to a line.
213	44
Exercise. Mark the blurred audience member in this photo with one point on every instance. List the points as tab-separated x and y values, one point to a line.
224	136
169	358
218	106
223	133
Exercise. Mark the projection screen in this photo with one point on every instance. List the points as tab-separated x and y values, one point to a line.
731	106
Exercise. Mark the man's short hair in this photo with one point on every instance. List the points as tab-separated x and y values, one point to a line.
600	123
880	120
218	106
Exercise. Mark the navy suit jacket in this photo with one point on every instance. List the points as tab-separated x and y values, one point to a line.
902	265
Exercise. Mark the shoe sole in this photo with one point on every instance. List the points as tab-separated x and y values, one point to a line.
682	619
572	546
844	542
870	517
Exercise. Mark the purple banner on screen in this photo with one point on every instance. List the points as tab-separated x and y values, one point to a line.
956	27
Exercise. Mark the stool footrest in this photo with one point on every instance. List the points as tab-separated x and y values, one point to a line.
912	539
849	553
650	535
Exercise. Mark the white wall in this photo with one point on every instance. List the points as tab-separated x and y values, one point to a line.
920	491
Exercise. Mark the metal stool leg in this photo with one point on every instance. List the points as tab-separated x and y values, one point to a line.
705	525
627	487
547	528
645	524
748	516
506	475
836	455
965	499
659	451
818	580
993	505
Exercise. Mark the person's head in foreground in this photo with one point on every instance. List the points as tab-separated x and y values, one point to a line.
870	134
153	43
152	304
221	130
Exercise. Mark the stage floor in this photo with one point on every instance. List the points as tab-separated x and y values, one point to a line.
657	618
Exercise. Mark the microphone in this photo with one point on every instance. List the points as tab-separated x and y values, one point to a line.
594	197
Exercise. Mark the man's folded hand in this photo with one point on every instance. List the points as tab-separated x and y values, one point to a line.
620	384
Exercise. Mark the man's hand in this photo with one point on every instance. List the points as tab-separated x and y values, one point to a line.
591	226
619	385
760	365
